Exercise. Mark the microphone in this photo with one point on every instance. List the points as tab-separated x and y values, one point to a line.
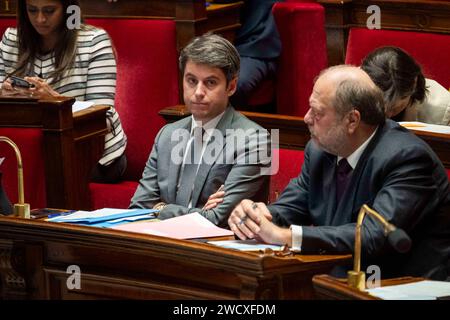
398	239
21	209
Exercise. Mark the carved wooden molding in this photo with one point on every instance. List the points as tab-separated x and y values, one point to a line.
12	283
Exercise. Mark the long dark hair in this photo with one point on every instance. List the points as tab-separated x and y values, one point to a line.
396	73
29	42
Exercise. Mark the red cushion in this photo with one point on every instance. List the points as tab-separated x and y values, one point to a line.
30	143
264	93
112	195
147	81
304	54
286	165
5	23
429	49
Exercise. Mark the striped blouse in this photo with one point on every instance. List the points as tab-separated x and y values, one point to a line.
91	78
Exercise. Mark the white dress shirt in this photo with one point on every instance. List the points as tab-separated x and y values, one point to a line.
297	231
209	127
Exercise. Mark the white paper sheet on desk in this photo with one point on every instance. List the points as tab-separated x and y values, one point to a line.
188	226
245	245
81	105
421	290
421	126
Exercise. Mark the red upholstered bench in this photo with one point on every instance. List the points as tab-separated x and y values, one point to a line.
147	81
301	26
5	23
290	163
30	142
431	50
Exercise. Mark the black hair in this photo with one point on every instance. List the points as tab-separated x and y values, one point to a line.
396	73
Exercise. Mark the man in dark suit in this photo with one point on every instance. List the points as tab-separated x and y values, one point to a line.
212	160
357	157
259	46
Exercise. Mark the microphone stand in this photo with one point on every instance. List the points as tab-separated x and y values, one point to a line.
21	209
357	278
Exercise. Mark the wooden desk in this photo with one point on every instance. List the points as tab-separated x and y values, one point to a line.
331	288
294	133
73	143
34	257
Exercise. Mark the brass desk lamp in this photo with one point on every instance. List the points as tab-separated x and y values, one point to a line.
21	209
396	237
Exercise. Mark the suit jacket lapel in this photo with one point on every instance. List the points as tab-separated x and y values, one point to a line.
204	168
329	185
349	203
174	168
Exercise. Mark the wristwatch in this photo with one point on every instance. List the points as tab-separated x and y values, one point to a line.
159	206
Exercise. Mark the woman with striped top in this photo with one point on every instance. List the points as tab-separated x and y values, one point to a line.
59	60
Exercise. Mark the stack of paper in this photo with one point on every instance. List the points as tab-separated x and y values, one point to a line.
245	245
106	217
427	127
81	105
421	290
189	226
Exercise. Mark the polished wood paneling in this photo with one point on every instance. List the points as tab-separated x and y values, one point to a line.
192	17
294	134
73	143
330	288
416	15
116	264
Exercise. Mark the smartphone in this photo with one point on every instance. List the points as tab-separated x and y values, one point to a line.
20	82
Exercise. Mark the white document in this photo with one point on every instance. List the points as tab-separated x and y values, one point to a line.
188	226
81	105
421	126
422	290
245	245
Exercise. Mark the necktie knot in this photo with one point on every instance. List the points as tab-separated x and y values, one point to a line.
344	167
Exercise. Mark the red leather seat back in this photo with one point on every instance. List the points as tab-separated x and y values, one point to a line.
290	163
147	81
429	49
304	54
30	143
5	23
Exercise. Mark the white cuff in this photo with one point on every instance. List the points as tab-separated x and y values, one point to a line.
297	237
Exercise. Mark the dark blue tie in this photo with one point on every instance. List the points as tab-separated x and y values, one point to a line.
343	175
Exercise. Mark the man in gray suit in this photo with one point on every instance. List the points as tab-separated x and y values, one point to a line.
212	160
357	157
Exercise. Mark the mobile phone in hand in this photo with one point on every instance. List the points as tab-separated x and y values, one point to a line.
20	82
